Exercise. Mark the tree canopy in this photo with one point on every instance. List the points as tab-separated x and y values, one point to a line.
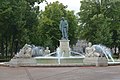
100	21
49	24
21	22
18	18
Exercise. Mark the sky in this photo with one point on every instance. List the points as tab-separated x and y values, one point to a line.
72	4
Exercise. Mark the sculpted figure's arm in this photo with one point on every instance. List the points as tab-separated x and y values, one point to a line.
93	49
86	52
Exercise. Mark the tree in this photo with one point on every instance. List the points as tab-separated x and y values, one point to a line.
18	18
99	21
113	14
49	24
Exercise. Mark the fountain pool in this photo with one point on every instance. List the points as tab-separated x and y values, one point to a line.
61	60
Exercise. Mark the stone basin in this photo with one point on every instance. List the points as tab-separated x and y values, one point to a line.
61	60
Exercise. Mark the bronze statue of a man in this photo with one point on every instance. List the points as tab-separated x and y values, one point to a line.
64	28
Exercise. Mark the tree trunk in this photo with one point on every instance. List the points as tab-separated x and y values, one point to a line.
6	47
2	45
12	47
16	46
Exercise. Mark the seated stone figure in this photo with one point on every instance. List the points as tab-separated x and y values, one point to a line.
47	51
25	52
90	51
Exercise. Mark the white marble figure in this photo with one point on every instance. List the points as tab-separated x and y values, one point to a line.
25	52
90	51
47	51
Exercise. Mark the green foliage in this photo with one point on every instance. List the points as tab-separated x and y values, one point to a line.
99	21
21	22
49	24
18	21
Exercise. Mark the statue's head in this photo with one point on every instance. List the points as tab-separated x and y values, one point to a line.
47	48
89	44
62	18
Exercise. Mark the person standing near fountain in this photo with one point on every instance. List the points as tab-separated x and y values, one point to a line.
64	28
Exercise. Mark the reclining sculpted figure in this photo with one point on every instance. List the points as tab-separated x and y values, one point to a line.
90	51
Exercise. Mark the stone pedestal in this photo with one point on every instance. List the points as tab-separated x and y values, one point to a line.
64	47
97	61
15	62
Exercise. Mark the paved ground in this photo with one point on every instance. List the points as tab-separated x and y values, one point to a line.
60	73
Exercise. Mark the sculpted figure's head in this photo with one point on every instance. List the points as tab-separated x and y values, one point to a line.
47	48
89	44
62	18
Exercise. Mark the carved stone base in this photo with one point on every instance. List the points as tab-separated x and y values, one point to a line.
97	61
22	62
64	47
